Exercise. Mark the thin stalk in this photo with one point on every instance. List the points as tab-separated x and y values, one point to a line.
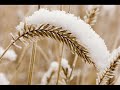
73	65
62	45
31	65
21	57
19	62
43	53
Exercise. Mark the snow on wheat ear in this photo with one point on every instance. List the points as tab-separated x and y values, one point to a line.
108	75
66	28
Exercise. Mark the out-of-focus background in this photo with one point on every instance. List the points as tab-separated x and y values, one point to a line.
48	50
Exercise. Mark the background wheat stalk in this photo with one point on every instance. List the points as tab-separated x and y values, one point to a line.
20	60
73	66
91	16
58	76
31	64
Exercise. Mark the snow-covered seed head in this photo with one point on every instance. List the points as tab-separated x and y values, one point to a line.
109	74
92	47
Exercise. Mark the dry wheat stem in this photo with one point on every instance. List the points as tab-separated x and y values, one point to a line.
21	57
73	66
108	76
31	65
43	53
19	62
59	68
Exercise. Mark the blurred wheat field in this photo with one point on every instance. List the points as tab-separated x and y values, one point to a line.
49	50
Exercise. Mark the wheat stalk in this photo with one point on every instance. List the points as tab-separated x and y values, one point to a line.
19	62
58	76
108	75
73	65
21	57
31	65
42	52
91	16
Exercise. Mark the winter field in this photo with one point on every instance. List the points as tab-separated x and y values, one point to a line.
59	45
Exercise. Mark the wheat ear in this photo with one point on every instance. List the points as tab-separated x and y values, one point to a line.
67	76
57	33
91	16
108	75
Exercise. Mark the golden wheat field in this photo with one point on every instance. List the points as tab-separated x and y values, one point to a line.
59	44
